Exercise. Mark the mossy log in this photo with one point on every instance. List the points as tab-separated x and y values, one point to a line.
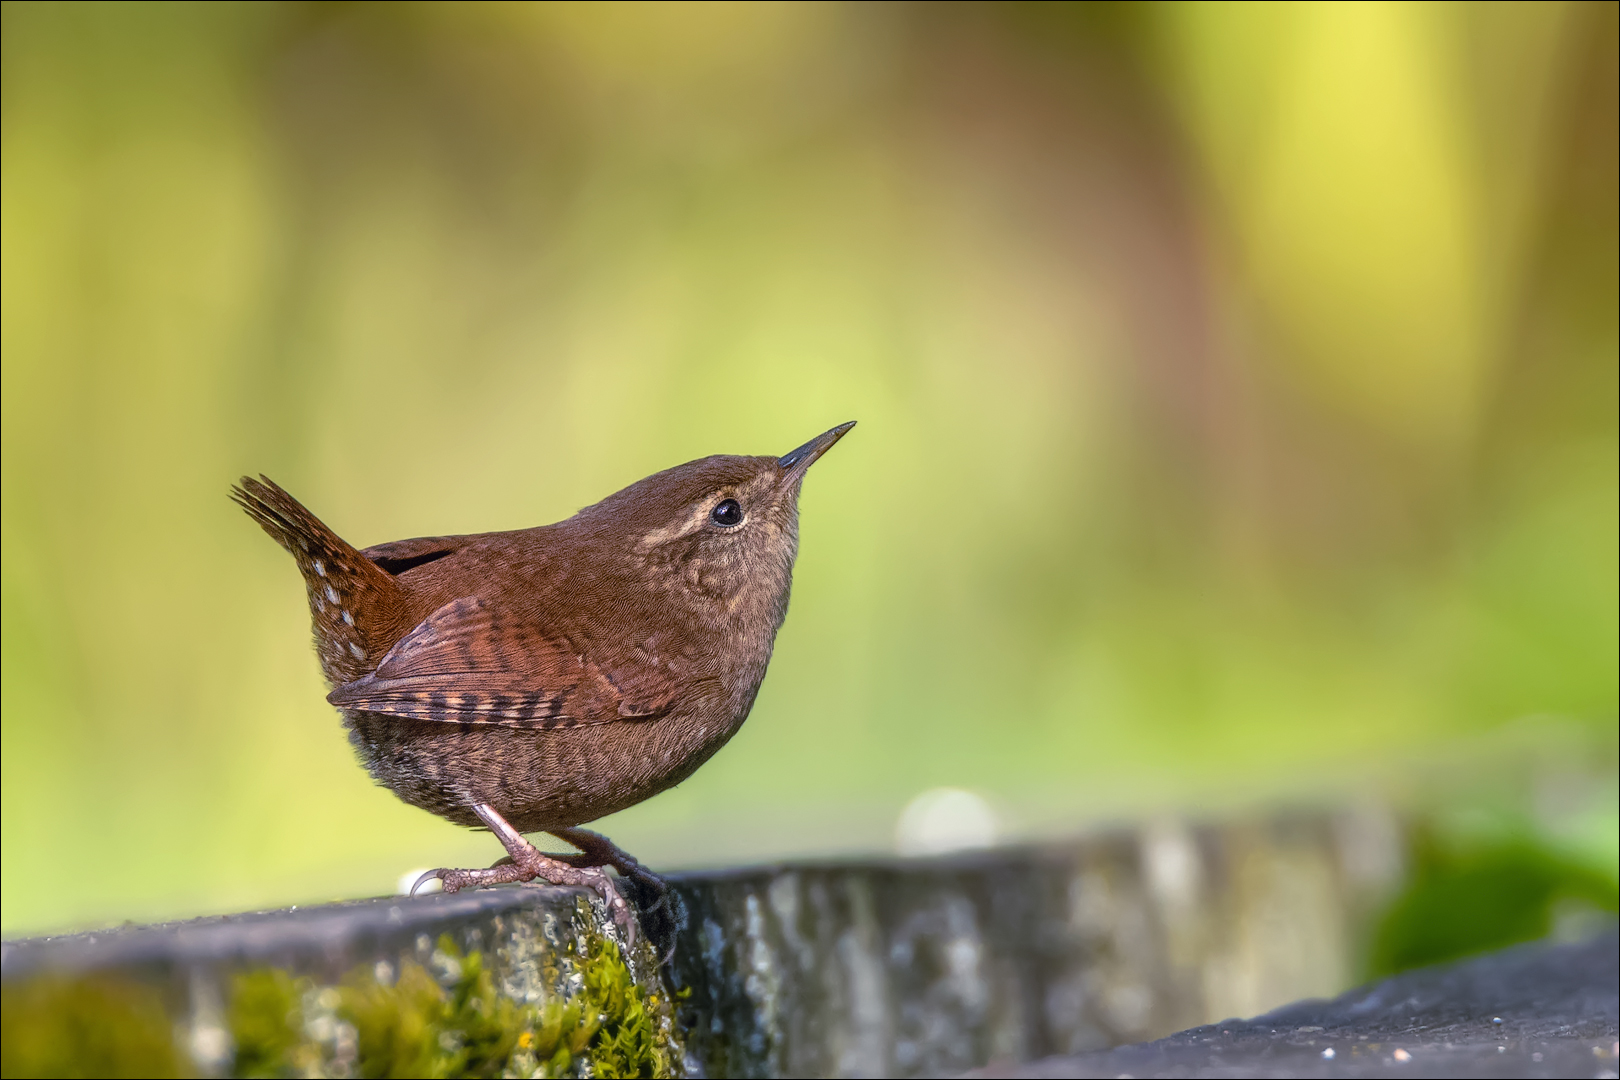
901	967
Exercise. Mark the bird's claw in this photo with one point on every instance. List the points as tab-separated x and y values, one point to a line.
618	908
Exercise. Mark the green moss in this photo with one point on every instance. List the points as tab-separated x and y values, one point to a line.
92	1026
264	1021
418	1027
447	1019
455	1025
443	1019
626	1043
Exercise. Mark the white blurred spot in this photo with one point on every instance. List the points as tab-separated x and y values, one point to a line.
211	1045
1128	1007
944	819
409	878
1173	867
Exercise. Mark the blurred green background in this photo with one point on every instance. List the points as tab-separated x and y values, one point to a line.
1237	390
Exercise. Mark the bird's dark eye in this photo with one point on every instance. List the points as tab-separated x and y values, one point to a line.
727	513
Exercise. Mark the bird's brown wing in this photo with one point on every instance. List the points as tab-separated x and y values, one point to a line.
470	662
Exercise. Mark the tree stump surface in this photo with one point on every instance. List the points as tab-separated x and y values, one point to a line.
880	967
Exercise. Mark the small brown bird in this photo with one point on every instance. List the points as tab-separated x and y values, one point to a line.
533	680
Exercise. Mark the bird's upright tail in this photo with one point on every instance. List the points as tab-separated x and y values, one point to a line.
352	601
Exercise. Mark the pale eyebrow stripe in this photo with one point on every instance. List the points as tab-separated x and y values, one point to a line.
693	522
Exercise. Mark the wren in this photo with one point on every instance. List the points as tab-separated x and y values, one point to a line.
534	680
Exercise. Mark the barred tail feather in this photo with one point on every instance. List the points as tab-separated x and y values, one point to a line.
350	597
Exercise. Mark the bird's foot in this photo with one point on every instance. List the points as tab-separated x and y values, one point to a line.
661	911
532	865
524	862
598	850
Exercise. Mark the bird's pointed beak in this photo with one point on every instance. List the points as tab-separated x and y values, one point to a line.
797	461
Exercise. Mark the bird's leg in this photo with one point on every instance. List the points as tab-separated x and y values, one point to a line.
598	850
525	862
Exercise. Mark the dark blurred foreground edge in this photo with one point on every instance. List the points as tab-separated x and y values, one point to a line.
1537	1010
